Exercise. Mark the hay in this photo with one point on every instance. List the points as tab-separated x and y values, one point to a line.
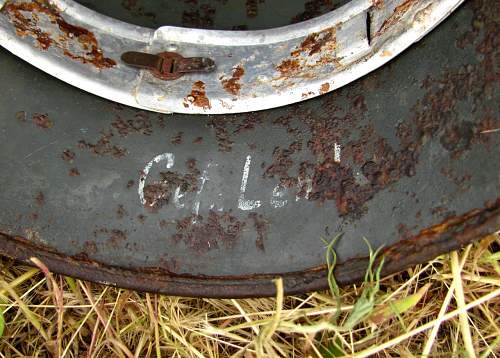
446	307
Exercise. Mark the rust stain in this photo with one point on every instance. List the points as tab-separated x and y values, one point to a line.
317	42
73	172
386	53
198	96
288	67
116	237
136	9
158	193
90	247
314	8
139	124
261	227
457	229
207	233
43	121
130	184
396	15
68	155
324	88
232	85
315	50
40	199
222	135
25	17
201	17
103	146
121	212
177	139
252	8
21	116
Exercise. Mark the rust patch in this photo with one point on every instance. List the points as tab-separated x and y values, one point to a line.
315	50
365	151
250	122
222	135
25	17
40	199
73	172
261	226
121	212
198	140
158	193
103	146
198	96
130	184
139	124
317	42
136	9
43	121
397	14
90	247
21	116
288	67
207	233
115	236
252	8
201	17
314	8
68	155
177	139
324	88
232	85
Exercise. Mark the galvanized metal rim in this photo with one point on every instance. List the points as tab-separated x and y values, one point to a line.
279	65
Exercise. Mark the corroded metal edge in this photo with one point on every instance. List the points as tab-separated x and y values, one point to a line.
449	235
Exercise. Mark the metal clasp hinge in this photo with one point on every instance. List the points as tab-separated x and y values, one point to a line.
168	65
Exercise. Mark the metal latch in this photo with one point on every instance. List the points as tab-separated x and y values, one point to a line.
168	65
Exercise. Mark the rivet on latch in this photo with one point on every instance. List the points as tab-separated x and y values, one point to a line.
168	65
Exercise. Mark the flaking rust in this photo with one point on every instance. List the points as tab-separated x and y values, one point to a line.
395	17
232	85
159	192
197	97
25	16
317	49
215	230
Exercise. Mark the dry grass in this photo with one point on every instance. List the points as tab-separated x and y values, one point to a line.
447	307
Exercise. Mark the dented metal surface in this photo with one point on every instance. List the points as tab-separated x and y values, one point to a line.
278	66
219	205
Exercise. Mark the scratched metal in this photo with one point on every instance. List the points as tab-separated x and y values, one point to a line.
218	205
